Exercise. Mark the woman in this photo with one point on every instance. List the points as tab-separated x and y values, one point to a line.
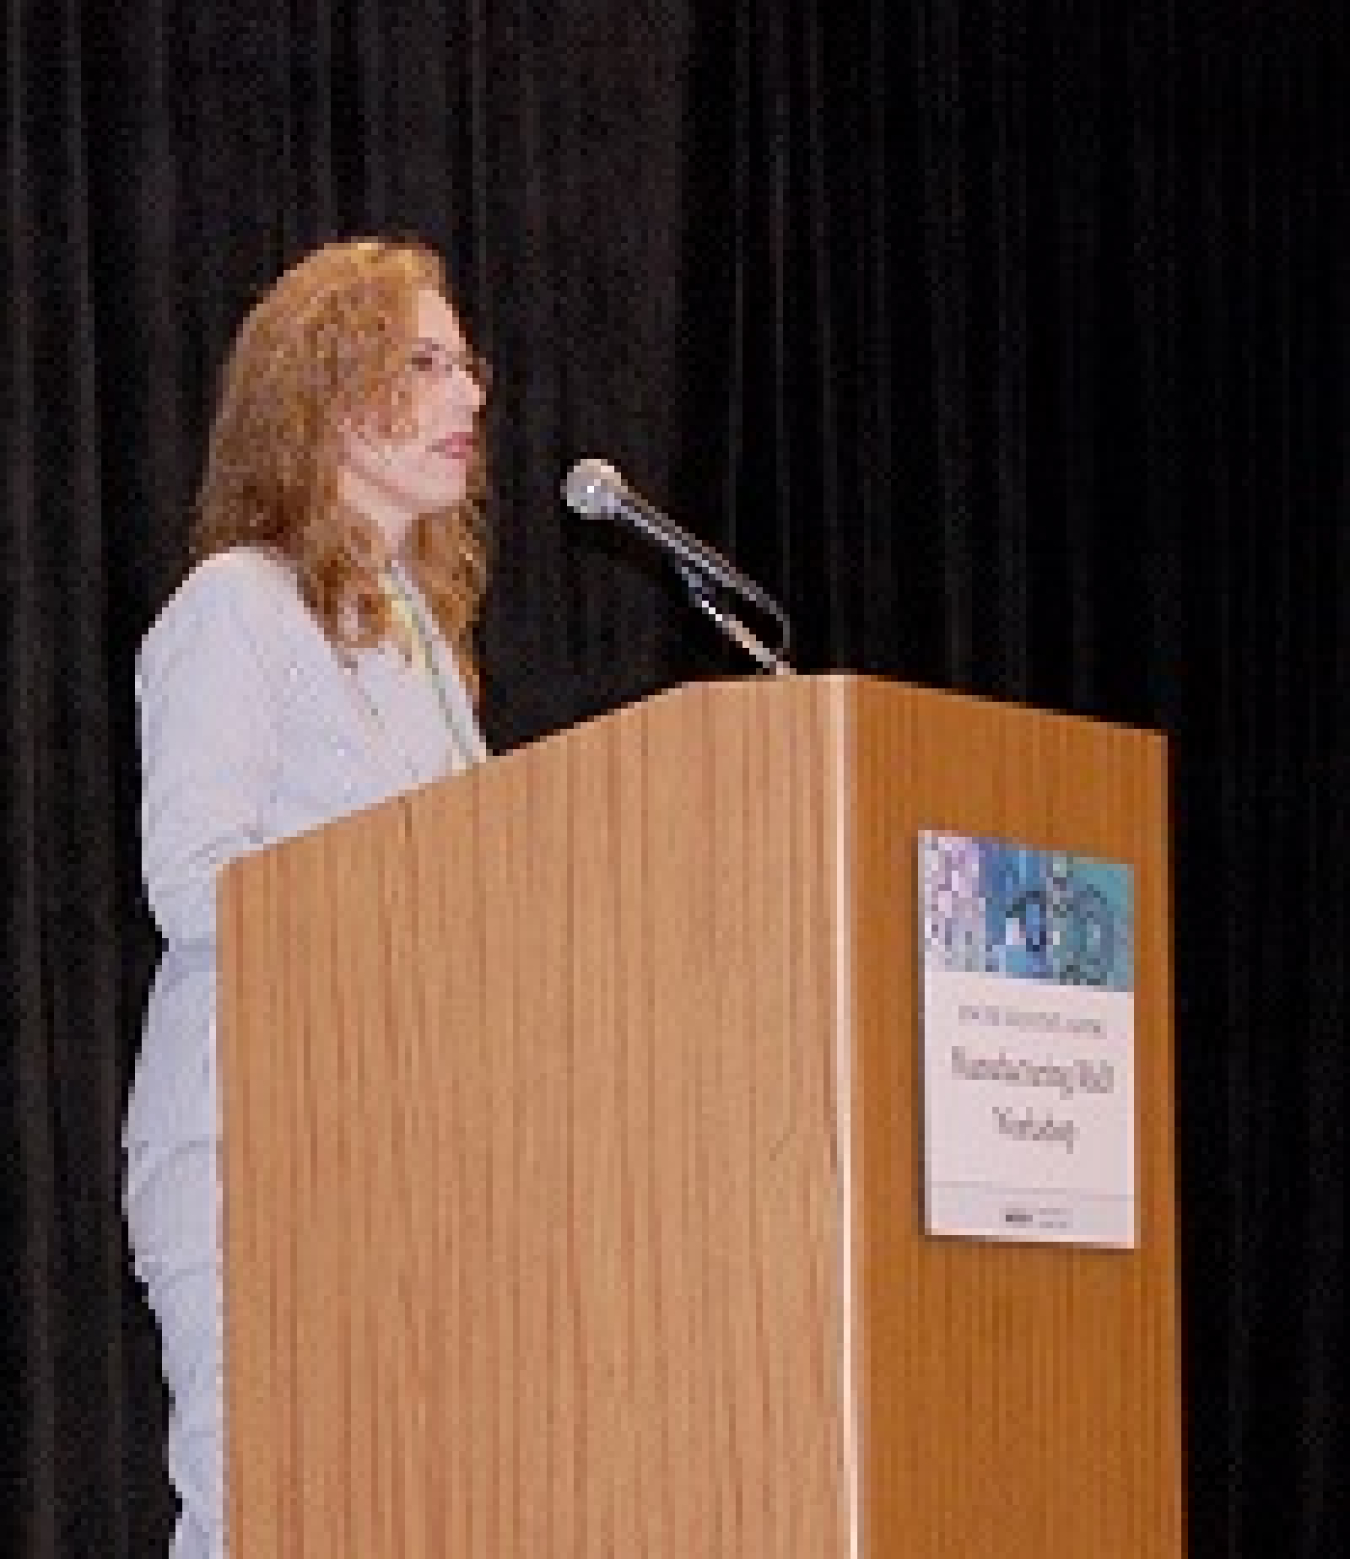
318	658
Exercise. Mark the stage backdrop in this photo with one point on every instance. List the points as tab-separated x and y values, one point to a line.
1006	341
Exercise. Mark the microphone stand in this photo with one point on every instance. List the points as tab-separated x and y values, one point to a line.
702	594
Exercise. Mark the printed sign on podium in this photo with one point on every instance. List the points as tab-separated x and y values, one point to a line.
1028	1042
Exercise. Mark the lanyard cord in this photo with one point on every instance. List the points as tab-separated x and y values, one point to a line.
413	623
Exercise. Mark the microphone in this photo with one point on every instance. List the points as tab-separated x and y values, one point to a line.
595	490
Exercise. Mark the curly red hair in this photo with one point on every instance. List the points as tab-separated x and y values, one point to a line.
329	343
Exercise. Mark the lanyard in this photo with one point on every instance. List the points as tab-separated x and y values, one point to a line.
413	623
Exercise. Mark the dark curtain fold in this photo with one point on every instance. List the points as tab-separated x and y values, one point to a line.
1005	342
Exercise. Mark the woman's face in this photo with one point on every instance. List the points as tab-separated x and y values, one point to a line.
393	480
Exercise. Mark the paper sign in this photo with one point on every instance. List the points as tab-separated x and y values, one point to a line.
1028	1043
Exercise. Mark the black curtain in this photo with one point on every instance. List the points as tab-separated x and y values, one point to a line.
1005	340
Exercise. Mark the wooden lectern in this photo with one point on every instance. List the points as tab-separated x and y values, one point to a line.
572	1161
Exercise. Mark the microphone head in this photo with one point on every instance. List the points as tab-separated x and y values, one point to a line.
591	489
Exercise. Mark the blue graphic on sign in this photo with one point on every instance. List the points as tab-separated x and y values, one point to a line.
993	907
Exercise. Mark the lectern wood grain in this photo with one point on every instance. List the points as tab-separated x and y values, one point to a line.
572	1199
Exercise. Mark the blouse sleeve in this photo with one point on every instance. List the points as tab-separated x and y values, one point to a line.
208	741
